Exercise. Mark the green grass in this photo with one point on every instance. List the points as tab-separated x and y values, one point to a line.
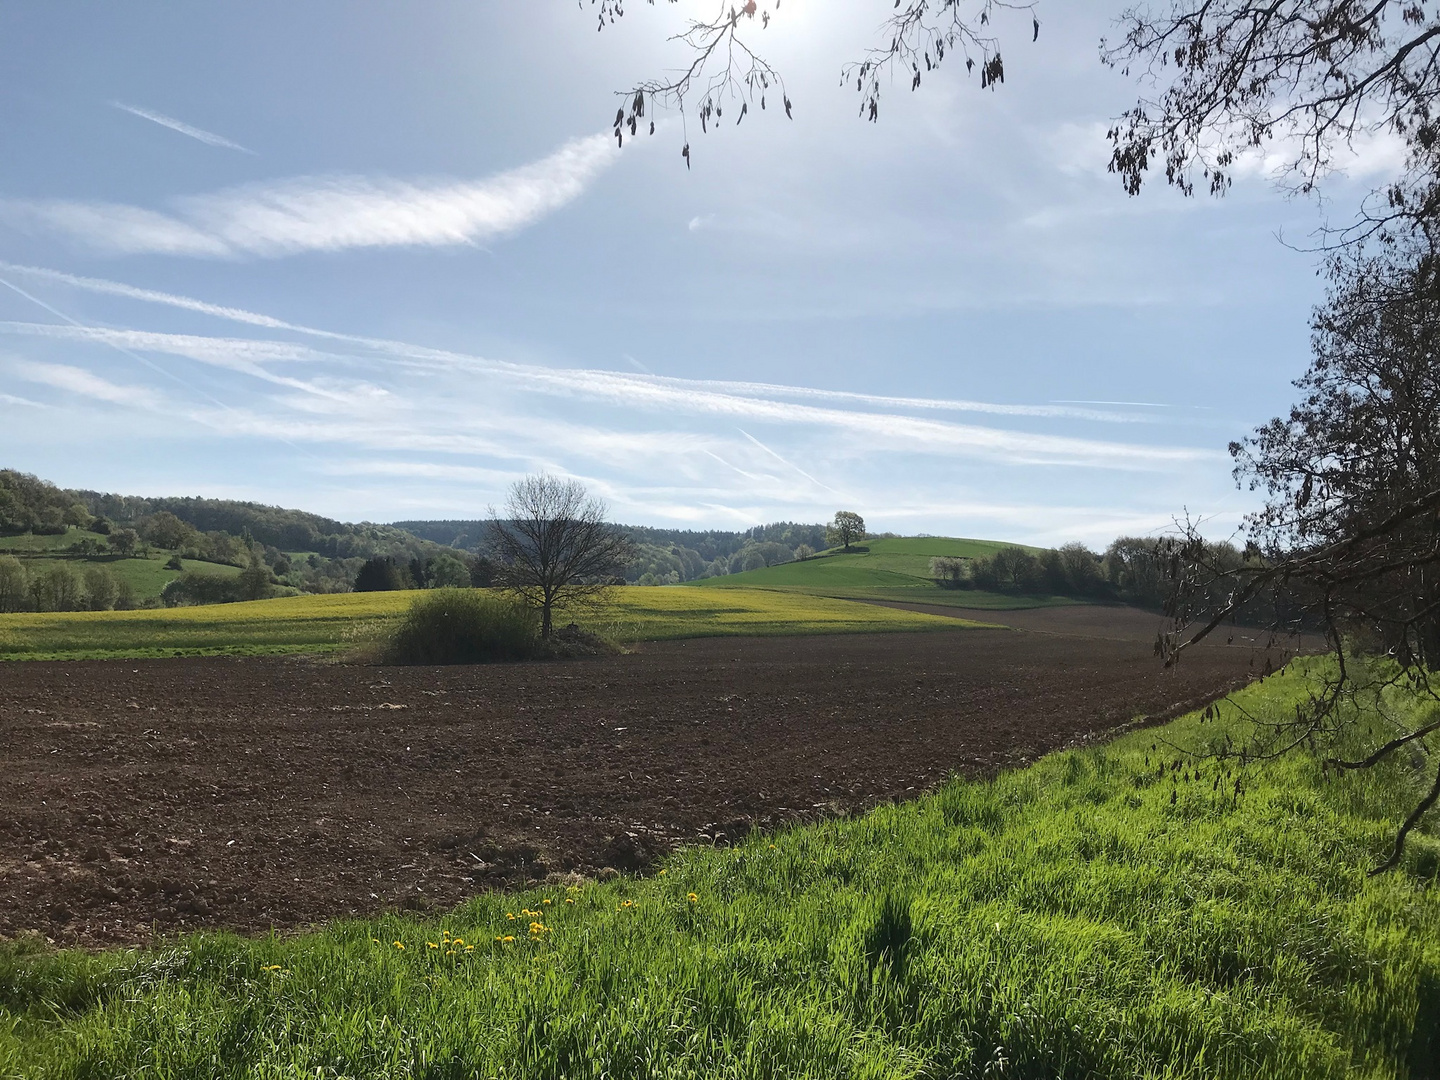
897	570
336	621
146	574
1080	918
27	542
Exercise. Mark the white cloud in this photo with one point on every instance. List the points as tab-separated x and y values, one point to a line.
328	213
209	138
744	402
87	384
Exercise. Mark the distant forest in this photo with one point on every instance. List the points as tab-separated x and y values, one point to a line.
666	556
306	552
301	551
313	553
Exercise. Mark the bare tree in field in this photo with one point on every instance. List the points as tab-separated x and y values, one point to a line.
555	548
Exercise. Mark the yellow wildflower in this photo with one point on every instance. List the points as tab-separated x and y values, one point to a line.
399	944
508	937
692	897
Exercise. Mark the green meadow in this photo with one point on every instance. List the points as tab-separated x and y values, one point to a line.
146	574
892	569
1116	912
327	623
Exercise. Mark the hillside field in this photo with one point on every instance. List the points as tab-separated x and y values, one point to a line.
890	569
146	574
327	623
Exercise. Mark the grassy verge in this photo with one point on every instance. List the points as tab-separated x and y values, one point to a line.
328	623
1084	917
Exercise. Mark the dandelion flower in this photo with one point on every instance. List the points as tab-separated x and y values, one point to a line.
545	901
432	944
457	941
569	899
508	937
399	944
469	948
509	914
628	903
691	897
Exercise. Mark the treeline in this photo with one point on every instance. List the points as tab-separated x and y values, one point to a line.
1133	569
269	526
31	505
670	556
665	556
383	573
299	550
62	587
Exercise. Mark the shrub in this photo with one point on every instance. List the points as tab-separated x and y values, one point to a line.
101	588
462	626
447	572
57	588
950	572
14	584
197	588
381	574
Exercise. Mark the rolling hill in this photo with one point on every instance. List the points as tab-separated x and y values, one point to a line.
893	569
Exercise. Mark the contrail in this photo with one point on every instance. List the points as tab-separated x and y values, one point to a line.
789	464
142	360
209	138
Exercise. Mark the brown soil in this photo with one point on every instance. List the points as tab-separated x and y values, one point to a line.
150	796
1108	621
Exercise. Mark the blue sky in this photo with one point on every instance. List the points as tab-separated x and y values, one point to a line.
379	261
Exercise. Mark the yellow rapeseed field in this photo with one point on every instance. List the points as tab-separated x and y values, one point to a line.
328	623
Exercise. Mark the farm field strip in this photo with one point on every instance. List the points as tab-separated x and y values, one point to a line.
332	622
1094	914
890	569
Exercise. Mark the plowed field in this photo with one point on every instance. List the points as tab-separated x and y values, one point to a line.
151	796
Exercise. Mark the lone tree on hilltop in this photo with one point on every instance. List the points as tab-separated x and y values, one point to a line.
555	548
847	527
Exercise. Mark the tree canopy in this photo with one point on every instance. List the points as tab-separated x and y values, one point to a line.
555	548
